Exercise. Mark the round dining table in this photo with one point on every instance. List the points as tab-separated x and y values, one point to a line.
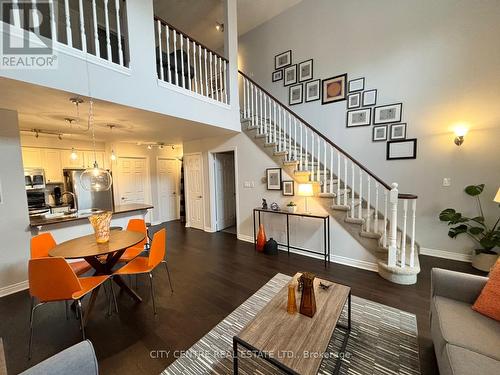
101	256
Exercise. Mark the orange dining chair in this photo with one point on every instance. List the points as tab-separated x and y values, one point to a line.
43	243
141	265
51	279
135	225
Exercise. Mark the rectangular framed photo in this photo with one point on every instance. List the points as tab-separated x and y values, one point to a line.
398	131
283	59
278	75
357	85
306	70
334	89
370	97
295	95
312	90
273	178
288	188
358	117
354	100
379	133
404	149
387	113
290	75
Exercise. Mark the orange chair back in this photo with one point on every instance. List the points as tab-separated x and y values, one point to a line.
41	245
157	251
138	225
52	279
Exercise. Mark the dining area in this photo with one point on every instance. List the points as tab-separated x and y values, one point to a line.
94	274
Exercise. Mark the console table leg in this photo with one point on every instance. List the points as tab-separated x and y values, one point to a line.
235	357
349	313
254	235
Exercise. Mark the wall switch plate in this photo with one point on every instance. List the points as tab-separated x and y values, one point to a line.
246	184
252	184
447	181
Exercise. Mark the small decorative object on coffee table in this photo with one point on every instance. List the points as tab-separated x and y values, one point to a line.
101	224
292	207
264	204
292	304
308	300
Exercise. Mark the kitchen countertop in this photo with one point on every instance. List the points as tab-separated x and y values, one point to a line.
124	208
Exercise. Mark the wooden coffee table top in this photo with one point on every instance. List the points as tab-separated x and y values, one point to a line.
274	331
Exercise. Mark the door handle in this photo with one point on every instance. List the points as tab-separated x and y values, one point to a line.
199	196
123	198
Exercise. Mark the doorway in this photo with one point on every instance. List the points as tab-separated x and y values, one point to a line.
168	188
225	192
193	172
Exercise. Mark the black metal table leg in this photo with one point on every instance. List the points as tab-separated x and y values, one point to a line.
235	357
324	239
328	239
349	313
254	235
288	234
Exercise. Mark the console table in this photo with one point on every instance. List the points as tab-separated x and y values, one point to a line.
326	230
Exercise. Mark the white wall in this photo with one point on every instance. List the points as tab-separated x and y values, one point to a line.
440	58
14	220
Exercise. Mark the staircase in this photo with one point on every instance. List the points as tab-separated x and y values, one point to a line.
380	218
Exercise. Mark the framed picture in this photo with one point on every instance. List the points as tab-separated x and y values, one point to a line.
306	70
358	117
357	85
295	94
283	59
288	188
273	178
334	89
387	113
290	75
369	97
379	133
354	100
312	90
404	149
398	131
277	75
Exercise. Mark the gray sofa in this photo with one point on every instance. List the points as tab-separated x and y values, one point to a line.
465	341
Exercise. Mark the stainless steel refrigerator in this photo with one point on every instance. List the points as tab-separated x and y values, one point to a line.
85	199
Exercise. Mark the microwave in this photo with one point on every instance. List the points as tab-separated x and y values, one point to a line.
34	178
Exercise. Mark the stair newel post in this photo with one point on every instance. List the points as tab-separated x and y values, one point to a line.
375	221
331	170
353	181
345	180
160	52
386	201
393	247
324	166
403	235
338	178
368	203
413	224
360	195
301	158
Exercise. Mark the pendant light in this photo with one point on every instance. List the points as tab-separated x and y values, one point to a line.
73	155
95	178
113	156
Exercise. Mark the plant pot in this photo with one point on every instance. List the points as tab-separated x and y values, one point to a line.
483	261
292	209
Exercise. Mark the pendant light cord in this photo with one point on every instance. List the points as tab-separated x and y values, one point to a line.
91	109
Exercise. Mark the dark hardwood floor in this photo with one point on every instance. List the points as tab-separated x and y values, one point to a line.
212	274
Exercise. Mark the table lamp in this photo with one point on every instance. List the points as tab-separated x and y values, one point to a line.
305	190
497	197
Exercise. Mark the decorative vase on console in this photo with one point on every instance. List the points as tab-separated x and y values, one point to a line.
261	238
101	224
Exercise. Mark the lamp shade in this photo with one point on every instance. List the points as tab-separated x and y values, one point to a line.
305	190
497	197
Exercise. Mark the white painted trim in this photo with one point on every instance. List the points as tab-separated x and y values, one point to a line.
245	238
186	189
14	288
177	188
446	254
192	94
209	229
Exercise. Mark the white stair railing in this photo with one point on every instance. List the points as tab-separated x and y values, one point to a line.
357	190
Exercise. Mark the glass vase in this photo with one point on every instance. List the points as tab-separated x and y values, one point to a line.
101	224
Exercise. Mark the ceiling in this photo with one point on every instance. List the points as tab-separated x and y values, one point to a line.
44	108
198	18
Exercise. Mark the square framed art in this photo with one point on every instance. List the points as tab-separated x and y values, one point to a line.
306	70
273	178
290	75
379	133
283	59
357	85
334	89
354	100
277	75
398	131
288	188
312	90
404	149
387	113
370	97
358	117
295	94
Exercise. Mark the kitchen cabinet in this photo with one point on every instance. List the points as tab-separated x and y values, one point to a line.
51	162
32	157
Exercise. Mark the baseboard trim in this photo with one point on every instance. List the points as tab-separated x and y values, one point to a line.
445	254
244	237
14	288
209	230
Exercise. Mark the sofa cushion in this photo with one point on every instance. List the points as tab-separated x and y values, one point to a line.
465	362
459	325
488	302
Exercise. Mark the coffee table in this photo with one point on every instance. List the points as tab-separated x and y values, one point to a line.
296	344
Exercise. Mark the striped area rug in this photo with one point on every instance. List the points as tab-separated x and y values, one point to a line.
383	340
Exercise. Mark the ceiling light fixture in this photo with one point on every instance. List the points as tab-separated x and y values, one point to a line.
73	155
219	27
111	127
150	147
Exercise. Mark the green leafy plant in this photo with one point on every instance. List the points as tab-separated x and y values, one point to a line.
291	204
475	227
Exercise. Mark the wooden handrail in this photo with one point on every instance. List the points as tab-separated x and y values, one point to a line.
384	184
162	21
407	196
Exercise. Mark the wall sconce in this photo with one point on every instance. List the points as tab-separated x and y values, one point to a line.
219	27
460	133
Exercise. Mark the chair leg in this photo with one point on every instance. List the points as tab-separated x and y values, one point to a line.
66	308
168	274
152	292
32	318
113	294
80	313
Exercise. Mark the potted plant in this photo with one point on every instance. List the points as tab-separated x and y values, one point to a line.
292	207
488	238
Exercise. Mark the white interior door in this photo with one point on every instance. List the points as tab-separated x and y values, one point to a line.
225	190
194	188
167	189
